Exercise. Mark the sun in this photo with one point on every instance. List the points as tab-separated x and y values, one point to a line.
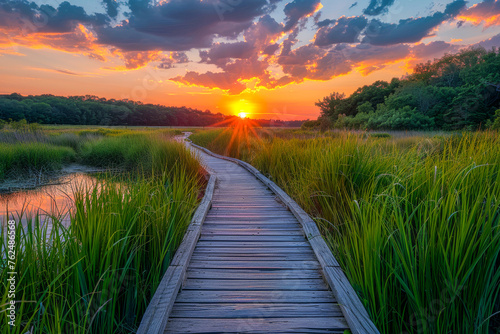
243	108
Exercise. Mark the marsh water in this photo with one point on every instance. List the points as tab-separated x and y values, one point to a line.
50	201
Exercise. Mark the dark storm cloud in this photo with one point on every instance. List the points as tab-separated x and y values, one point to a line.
345	30
377	7
324	23
180	25
111	7
410	30
223	51
298	9
314	63
46	18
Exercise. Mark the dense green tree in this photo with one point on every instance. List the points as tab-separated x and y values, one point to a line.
330	105
92	110
457	91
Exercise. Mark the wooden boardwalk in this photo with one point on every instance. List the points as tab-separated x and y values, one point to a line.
253	270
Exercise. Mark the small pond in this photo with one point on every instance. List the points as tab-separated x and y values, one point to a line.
52	200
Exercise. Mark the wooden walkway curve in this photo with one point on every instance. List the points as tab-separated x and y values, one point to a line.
255	266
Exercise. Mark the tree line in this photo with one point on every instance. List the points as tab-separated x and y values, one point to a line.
92	110
457	91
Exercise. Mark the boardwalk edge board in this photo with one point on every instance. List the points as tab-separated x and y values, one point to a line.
353	310
158	311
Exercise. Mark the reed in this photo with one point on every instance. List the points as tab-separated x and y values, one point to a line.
99	274
19	158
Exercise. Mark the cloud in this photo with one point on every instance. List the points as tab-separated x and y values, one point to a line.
298	9
80	40
111	7
314	63
410	30
487	12
434	49
367	58
45	18
377	7
137	59
344	30
168	62
220	53
179	25
249	48
493	42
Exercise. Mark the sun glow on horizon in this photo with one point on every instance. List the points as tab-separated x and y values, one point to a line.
243	108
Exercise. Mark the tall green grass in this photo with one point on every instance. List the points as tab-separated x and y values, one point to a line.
16	158
143	153
99	274
44	150
414	221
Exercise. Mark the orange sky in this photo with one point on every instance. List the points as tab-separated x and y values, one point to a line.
317	49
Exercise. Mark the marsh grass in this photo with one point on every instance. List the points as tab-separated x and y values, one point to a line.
21	158
99	274
22	152
413	220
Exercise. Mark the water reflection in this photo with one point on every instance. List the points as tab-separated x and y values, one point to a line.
49	201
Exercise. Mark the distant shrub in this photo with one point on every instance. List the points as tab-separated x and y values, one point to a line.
380	135
21	125
495	125
308	125
34	127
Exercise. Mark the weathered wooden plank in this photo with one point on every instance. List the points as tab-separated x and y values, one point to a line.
250	244
216	296
155	318
354	311
254	274
248	211
323	253
239	237
256	310
249	232
266	264
243	285
226	256
250	216
254	250
246	206
260	227
251	221
231	201
330	325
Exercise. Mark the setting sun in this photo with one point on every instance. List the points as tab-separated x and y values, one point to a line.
243	108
